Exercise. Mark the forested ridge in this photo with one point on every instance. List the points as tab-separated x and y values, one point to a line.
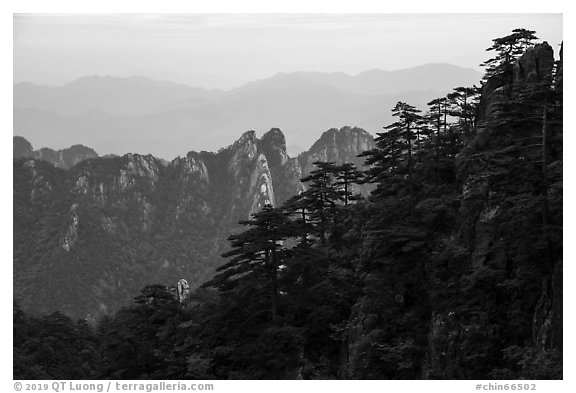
450	268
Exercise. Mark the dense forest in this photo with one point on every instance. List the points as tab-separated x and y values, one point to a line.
450	268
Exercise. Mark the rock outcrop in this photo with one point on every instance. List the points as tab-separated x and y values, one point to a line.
339	145
22	148
335	145
535	64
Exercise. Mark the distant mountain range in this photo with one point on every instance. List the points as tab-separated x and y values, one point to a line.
138	114
131	96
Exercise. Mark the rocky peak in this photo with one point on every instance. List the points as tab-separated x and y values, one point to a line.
142	166
535	64
273	147
244	151
192	164
261	189
248	137
337	145
22	148
273	144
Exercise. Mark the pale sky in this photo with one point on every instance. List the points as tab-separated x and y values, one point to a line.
227	50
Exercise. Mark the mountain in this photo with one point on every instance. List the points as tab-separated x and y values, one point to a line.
433	76
65	158
120	115
130	96
86	239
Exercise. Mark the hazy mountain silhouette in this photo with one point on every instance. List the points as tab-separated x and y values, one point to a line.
136	95
425	77
120	115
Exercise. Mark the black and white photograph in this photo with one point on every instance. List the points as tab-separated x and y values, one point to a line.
287	196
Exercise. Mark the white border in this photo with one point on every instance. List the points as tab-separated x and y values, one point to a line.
260	6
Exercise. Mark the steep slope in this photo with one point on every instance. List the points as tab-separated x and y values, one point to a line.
88	238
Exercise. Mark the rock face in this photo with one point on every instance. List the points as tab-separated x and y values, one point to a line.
88	238
336	145
339	146
560	71
65	158
535	64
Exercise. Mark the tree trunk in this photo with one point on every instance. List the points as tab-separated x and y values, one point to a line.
464	109
274	277
438	147
345	190
409	140
304	235
445	115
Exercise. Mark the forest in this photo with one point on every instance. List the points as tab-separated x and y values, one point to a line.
450	268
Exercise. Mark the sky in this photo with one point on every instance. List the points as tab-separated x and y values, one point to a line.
227	50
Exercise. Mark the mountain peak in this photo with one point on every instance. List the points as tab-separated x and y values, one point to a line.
273	145
334	135
22	148
337	145
275	137
248	136
273	131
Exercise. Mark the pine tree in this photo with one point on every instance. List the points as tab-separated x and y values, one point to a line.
346	175
463	104
435	118
256	254
319	201
507	49
391	162
139	342
319	278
